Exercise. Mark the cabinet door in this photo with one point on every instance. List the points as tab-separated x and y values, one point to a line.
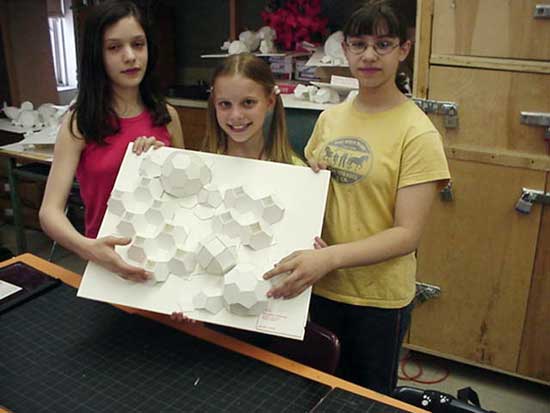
480	251
490	28
534	358
193	124
490	103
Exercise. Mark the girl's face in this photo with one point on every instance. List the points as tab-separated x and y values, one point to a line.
125	53
241	106
374	59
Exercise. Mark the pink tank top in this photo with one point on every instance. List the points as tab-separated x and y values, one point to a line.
99	165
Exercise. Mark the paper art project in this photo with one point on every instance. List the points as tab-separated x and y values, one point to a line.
208	227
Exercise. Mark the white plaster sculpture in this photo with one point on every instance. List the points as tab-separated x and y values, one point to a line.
11	112
326	95
303	92
184	174
237	47
267	47
267	33
244	292
29	120
334	53
217	254
250	39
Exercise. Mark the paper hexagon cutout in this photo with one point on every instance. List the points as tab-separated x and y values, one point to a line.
149	167
210	196
138	201
159	271
244	293
257	236
239	199
178	231
270	209
136	252
126	226
160	248
183	263
217	254
115	204
160	212
184	174
209	300
225	223
189	202
153	185
203	212
144	225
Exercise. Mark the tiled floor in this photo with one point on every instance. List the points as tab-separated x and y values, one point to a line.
497	392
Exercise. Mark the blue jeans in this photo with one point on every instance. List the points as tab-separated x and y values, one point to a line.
370	339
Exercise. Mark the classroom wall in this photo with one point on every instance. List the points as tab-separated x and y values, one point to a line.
28	55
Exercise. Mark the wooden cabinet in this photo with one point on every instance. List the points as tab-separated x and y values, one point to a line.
534	359
480	251
491	28
193	122
491	262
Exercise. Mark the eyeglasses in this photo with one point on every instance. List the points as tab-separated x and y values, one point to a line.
381	47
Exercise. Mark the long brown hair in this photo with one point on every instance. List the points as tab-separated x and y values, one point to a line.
93	112
276	146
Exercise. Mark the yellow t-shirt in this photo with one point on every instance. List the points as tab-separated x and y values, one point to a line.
370	157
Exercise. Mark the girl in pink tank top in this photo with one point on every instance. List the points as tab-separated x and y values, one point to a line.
118	103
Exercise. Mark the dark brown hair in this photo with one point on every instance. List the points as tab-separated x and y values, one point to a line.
93	112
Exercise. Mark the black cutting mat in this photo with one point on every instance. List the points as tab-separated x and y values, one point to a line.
60	353
32	282
339	400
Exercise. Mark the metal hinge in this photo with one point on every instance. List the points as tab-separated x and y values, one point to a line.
426	291
542	11
529	197
439	107
536	119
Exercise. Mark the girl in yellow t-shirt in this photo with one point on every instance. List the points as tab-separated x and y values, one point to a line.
386	161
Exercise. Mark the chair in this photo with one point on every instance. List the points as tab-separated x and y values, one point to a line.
320	348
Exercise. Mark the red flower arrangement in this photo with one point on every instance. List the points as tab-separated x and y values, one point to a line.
295	21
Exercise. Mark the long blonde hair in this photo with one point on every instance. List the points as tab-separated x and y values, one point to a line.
276	146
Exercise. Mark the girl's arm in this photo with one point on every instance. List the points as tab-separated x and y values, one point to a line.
306	267
54	221
174	127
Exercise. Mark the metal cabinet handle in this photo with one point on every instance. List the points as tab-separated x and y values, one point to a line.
542	11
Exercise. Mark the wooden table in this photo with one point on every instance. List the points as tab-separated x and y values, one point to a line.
18	160
205	334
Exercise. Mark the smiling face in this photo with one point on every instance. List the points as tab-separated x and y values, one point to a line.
125	53
241	106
